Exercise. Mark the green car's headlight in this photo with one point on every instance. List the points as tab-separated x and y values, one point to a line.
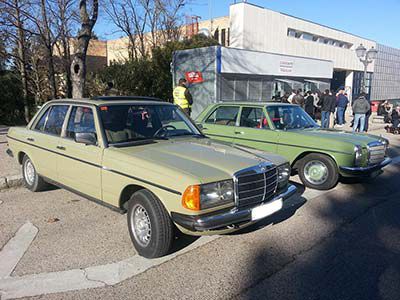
283	174
358	155
216	194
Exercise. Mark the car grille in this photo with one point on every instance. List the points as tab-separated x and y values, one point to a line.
255	185
376	153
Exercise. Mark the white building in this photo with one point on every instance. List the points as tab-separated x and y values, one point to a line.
254	28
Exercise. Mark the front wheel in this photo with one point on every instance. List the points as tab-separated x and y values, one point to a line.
150	226
318	171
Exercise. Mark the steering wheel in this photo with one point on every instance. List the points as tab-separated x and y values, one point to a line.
164	129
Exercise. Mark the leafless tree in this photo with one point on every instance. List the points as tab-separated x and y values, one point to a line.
13	26
146	23
78	65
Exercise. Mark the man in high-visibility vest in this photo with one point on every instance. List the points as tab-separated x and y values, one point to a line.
182	97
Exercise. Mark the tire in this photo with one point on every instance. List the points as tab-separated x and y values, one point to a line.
156	236
32	180
318	171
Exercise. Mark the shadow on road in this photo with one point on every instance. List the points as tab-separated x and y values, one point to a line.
358	259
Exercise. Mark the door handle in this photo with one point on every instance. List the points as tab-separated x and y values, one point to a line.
30	139
239	132
60	147
204	128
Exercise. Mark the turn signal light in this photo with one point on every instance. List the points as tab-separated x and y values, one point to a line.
191	197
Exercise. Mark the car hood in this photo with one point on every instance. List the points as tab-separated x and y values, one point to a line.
202	159
338	135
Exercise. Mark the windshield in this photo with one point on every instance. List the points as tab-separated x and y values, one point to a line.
290	117
131	123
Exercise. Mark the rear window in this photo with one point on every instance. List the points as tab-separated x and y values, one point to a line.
224	115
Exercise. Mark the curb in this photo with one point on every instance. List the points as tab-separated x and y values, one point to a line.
11	181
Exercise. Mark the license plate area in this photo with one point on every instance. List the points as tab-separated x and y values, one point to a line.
266	209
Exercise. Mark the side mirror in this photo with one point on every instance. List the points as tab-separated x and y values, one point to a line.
199	125
87	138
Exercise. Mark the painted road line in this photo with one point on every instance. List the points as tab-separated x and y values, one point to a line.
91	277
15	248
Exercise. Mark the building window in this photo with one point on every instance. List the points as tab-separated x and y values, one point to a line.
223	36
316	38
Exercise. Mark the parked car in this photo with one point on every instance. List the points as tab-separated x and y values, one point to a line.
318	155
146	158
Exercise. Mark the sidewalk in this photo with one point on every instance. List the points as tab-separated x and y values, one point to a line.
10	170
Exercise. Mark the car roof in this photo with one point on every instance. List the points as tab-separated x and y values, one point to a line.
107	100
256	103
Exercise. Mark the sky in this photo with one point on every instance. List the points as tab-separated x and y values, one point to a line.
378	20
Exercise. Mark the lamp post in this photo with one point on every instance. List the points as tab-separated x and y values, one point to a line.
366	57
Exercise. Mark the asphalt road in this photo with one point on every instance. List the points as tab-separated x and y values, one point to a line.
339	244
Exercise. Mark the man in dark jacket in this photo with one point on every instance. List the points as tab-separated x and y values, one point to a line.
360	107
342	102
328	104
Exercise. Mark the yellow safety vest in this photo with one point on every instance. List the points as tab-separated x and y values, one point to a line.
179	97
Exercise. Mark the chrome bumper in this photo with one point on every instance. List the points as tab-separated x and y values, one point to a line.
221	219
364	171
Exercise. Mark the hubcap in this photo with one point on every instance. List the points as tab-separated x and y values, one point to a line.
141	225
29	172
316	172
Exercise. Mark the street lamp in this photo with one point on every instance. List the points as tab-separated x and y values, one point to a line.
366	57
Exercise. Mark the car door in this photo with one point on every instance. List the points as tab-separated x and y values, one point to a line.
253	130
220	123
45	136
79	167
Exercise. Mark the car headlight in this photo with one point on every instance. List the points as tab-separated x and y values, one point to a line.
208	195
358	155
283	174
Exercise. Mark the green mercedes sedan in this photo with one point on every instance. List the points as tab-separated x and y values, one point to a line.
318	155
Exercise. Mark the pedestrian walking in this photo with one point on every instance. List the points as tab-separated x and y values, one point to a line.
328	104
342	103
182	97
360	107
285	98
309	104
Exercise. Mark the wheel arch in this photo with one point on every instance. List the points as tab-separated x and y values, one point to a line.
20	156
126	194
296	161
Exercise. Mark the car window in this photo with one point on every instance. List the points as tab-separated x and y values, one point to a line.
80	120
131	123
224	115
55	119
253	117
290	117
42	121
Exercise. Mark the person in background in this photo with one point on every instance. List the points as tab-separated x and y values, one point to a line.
317	108
290	98
309	104
285	98
182	97
396	117
298	99
342	102
344	114
328	104
386	109
360	107
368	114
